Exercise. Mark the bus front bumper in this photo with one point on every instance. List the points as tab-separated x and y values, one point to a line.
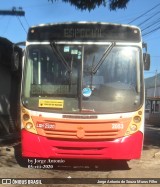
126	148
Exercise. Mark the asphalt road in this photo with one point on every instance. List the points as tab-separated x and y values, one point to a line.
102	172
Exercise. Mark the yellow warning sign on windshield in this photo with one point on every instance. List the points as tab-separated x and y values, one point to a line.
46	103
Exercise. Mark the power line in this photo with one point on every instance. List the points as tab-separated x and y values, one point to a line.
151	31
151	25
26	21
21	24
15	12
155	14
144	13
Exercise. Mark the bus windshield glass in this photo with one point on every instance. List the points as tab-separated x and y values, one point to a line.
84	78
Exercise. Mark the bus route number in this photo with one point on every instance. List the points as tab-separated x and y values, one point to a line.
117	125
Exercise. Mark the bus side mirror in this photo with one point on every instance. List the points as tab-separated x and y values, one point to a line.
146	61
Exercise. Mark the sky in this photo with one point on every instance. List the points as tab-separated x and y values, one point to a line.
142	13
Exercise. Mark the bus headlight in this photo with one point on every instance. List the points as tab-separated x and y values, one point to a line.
133	127
137	119
135	123
27	122
29	126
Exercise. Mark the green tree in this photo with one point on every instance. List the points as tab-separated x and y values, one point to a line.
92	4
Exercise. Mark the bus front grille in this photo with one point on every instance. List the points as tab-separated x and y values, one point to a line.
81	134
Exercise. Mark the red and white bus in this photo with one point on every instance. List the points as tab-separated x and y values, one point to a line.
83	91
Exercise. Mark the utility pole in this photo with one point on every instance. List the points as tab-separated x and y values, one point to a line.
13	12
155	89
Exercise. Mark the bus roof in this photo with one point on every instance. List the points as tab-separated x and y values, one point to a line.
83	31
84	22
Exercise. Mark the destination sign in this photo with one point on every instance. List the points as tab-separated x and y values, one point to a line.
84	32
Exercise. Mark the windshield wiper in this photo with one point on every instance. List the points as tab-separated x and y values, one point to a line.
62	59
105	54
60	56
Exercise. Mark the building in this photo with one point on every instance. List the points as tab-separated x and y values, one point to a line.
152	86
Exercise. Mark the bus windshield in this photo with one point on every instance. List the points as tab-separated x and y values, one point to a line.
88	78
